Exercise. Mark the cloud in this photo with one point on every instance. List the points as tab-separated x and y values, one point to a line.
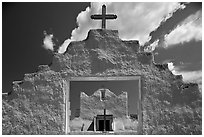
168	24
135	20
63	47
48	41
84	25
193	76
189	53
188	76
189	29
172	68
152	46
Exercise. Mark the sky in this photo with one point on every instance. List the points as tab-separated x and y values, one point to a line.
31	32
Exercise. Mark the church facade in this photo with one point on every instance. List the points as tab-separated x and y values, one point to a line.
40	104
99	109
93	105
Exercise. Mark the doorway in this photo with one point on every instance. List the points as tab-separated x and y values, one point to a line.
131	84
101	125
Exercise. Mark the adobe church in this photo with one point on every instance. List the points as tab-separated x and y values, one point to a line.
102	108
40	103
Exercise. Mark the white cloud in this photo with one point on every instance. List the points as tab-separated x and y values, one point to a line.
48	42
152	46
63	47
188	76
189	29
192	76
172	68
135	20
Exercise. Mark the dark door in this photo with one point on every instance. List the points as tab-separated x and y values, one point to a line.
101	125
107	125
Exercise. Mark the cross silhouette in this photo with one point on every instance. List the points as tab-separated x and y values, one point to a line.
103	92
103	16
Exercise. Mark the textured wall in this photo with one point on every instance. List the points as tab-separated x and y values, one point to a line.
39	105
91	106
36	106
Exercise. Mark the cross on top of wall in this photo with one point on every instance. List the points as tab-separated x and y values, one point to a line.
103	16
103	92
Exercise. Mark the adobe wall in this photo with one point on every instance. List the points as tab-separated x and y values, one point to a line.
39	107
36	105
91	106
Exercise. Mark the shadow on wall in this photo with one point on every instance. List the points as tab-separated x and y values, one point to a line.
91	127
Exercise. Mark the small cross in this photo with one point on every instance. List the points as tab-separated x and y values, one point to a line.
103	16
103	92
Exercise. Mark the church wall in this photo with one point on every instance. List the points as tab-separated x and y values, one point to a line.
91	106
36	106
159	108
133	44
162	111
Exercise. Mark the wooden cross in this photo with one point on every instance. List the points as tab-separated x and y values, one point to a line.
103	16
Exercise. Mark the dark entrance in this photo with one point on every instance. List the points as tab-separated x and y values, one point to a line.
100	122
101	125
